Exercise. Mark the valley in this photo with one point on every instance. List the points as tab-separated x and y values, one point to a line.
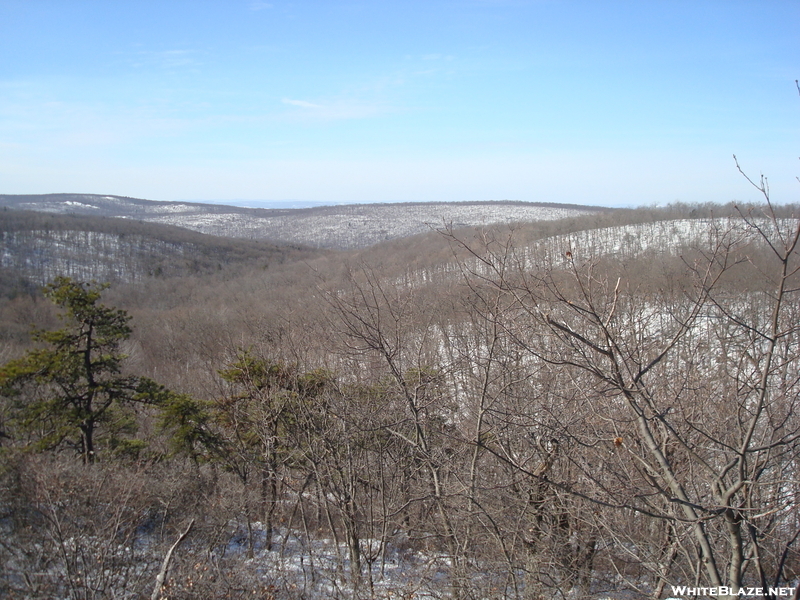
594	404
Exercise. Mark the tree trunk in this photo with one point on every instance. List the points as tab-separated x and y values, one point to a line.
87	442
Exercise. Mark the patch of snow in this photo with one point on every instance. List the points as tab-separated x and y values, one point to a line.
80	204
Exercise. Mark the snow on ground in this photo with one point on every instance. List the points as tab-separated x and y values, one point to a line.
319	568
79	204
626	242
357	226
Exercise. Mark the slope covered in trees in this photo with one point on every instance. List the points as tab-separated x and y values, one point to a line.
40	246
340	227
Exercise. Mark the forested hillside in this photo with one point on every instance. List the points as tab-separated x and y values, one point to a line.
603	406
340	227
39	246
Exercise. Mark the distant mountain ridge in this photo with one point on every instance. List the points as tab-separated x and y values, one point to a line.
341	226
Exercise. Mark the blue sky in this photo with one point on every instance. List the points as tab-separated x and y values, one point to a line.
604	102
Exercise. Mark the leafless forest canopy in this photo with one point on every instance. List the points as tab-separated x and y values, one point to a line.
340	227
603	406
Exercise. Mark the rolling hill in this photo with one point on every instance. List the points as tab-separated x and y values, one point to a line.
39	246
337	227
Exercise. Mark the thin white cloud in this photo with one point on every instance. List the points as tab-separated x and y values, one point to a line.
301	103
334	110
260	5
167	59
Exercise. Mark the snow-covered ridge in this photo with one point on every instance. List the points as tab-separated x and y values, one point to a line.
360	226
341	227
625	242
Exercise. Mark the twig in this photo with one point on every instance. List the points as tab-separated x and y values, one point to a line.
162	575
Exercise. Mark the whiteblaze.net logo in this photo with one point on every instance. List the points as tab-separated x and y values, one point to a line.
683	591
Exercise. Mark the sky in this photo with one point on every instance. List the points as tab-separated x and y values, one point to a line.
612	103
